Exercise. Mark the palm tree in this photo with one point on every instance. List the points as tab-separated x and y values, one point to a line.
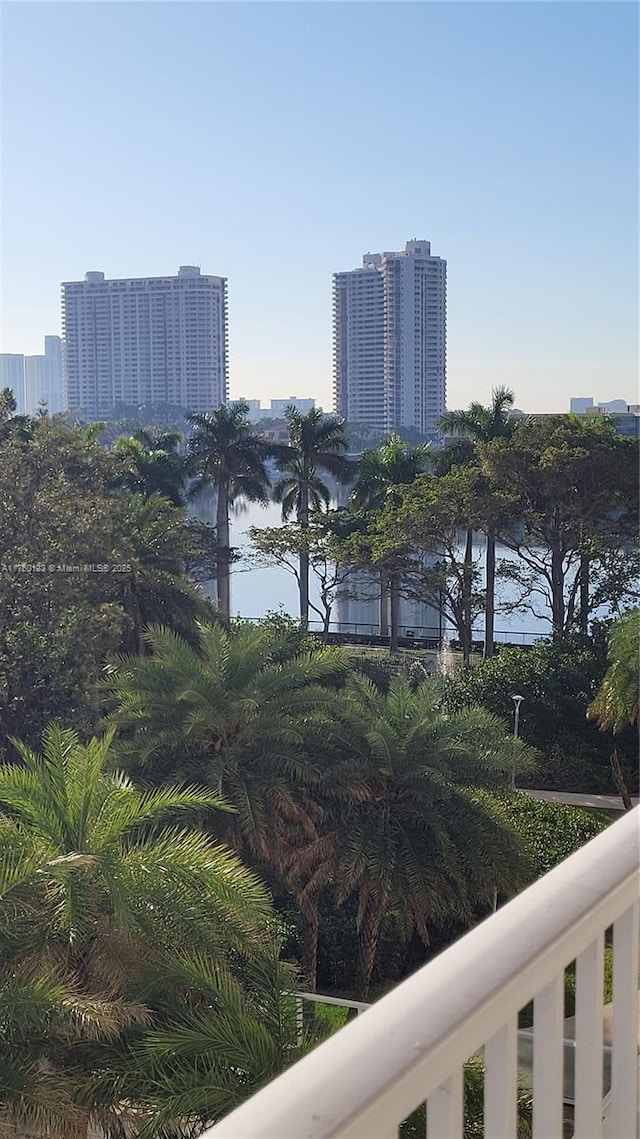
394	463
151	582
226	454
479	424
234	715
416	845
616	703
115	924
317	444
152	464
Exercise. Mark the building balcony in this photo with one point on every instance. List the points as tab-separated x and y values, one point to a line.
409	1049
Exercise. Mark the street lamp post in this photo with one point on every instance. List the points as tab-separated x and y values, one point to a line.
516	720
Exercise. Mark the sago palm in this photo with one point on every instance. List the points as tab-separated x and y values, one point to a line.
232	715
415	845
317	445
224	453
479	424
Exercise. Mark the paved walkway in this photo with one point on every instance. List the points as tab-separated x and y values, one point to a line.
596	802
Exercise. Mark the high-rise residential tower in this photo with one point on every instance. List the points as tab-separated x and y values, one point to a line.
390	340
149	340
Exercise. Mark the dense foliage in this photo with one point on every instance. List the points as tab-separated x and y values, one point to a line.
136	963
616	703
142	983
303	756
559	492
84	566
558	682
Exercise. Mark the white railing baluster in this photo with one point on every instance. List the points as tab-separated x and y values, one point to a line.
501	1083
445	1109
588	1050
624	1058
548	1059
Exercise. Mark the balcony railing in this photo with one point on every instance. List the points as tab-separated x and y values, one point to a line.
410	1047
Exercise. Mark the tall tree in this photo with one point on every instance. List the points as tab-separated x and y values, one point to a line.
418	530
394	463
85	565
150	582
152	464
460	454
282	545
480	424
573	489
317	446
616	705
226	454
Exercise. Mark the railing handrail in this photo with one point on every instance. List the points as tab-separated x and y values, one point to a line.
362	1006
412	1039
342	1002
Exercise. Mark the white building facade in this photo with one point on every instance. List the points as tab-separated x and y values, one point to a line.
12	376
390	340
43	380
150	340
277	408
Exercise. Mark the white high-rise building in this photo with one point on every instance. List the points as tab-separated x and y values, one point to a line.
12	376
149	340
390	340
43	378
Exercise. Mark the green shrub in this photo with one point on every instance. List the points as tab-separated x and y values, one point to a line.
558	682
552	831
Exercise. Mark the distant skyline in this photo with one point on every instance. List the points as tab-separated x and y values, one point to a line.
273	143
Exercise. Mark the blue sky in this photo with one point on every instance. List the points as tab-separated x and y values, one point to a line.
275	143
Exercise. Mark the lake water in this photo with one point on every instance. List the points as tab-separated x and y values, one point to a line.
256	592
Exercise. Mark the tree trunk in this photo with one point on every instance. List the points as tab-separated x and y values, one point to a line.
384	603
136	632
490	589
310	945
618	779
368	936
303	518
585	568
557	592
467	587
224	552
394	607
